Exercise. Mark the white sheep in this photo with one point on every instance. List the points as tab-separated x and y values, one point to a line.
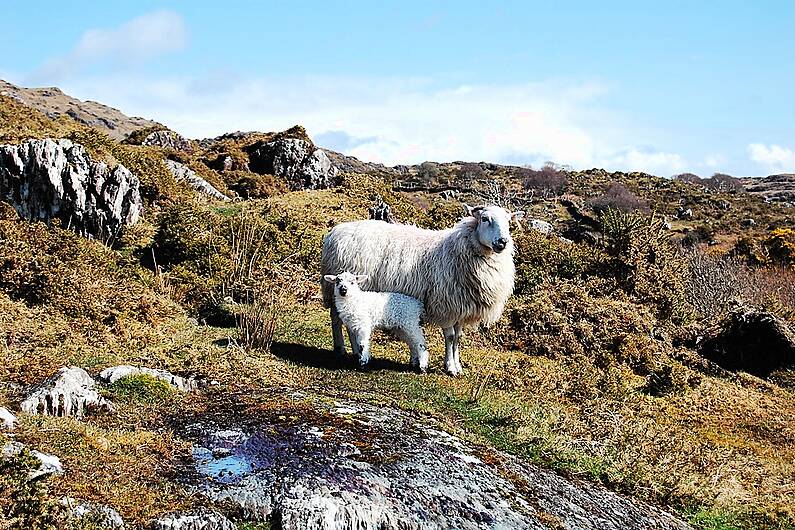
363	311
463	275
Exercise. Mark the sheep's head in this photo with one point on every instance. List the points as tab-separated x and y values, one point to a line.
494	225
345	282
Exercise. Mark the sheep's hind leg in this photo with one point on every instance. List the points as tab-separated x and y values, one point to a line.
450	365
336	332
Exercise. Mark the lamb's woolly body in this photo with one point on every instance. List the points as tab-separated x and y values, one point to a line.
364	310
457	279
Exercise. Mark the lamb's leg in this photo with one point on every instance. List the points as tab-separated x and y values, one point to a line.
450	365
354	340
336	332
363	346
456	346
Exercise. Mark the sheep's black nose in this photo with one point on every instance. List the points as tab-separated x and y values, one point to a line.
343	291
500	244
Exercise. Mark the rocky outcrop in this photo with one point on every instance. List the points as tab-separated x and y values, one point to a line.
774	188
346	465
295	159
70	392
201	519
48	464
92	515
49	179
168	140
113	374
182	172
380	210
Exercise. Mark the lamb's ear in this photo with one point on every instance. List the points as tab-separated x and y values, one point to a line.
517	216
361	278
330	278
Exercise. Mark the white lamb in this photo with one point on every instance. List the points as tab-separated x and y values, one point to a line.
364	311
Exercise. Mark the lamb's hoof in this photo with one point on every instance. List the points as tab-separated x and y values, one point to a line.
417	369
454	371
363	366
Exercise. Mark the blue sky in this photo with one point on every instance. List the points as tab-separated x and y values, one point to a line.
663	87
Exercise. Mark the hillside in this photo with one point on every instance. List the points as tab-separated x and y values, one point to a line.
641	375
52	102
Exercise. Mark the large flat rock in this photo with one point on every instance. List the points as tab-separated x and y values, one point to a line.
318	464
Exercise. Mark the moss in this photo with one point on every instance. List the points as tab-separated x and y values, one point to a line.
142	387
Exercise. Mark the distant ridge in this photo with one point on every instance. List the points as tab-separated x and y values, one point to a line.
52	102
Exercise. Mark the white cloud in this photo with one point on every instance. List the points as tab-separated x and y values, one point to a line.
774	156
144	37
397	120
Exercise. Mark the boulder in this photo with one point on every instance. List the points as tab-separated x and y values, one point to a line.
113	374
380	211
182	172
201	519
168	140
92	515
541	226
8	421
70	392
297	160
48	464
49	179
344	465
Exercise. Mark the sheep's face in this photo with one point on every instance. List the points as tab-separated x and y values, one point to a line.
494	226
345	282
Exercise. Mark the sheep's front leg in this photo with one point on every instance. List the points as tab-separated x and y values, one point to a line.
458	329
450	365
353	338
336	332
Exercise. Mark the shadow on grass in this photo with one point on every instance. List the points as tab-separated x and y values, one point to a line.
320	358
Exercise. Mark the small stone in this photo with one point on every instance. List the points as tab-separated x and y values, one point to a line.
7	420
201	519
93	514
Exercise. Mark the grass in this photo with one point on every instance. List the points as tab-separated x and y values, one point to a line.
142	388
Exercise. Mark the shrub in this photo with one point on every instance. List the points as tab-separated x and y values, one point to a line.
563	318
690	178
540	257
549	180
26	503
256	323
644	263
722	182
471	172
780	245
428	171
618	197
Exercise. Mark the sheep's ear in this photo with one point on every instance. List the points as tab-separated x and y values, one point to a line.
361	278
517	216
473	212
330	278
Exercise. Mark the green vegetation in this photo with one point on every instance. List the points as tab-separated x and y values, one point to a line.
593	370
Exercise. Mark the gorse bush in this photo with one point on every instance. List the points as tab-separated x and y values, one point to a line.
25	503
645	264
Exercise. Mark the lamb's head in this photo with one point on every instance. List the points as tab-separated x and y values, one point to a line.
345	282
493	225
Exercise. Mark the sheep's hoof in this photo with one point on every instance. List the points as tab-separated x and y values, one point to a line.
454	371
341	352
416	368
